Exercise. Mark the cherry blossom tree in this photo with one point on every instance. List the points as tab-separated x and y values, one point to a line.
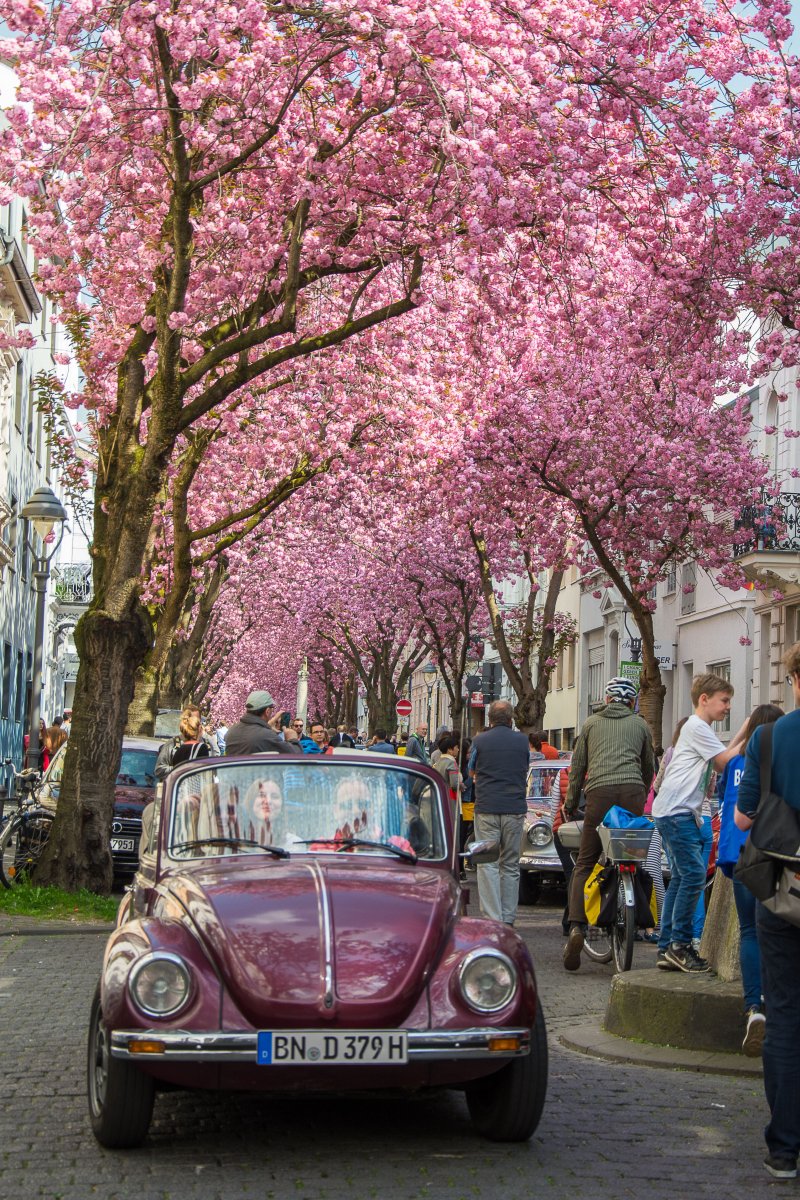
237	188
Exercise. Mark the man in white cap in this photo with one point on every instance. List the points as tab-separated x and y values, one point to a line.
257	731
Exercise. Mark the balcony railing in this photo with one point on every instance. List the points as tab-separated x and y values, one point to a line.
772	523
72	583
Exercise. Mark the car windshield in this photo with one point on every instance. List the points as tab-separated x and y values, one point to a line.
137	768
544	785
305	807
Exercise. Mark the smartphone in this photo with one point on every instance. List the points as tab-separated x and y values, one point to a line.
286	720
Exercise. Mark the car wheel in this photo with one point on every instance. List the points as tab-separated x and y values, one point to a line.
120	1095
507	1106
530	887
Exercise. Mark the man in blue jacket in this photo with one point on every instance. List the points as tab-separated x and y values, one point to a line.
780	943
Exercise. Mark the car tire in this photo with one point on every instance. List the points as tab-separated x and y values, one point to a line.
120	1095
530	887
507	1106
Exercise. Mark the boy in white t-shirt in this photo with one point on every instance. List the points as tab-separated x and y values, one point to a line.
677	814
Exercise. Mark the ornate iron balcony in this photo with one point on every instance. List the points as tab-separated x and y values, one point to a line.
772	523
72	583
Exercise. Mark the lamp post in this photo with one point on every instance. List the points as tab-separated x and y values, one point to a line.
301	710
44	511
430	675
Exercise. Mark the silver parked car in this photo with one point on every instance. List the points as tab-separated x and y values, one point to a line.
539	861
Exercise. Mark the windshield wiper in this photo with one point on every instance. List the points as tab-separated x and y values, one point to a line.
356	841
278	851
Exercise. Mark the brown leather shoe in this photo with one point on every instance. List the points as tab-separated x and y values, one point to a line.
572	950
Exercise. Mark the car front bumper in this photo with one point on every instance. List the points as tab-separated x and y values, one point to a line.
423	1045
541	862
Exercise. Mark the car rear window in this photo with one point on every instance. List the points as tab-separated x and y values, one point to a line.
137	768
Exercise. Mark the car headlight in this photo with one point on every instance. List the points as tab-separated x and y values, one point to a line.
160	984
540	834
488	980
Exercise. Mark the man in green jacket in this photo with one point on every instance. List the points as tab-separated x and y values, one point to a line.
613	763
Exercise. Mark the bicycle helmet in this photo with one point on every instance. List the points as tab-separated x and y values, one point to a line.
621	689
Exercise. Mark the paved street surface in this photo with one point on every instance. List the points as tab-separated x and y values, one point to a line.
607	1131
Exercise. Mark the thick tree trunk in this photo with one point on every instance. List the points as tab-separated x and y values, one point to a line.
144	705
78	852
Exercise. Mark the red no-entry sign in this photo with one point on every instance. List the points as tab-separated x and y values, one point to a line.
403	708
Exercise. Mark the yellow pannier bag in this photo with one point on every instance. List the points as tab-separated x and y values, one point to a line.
591	895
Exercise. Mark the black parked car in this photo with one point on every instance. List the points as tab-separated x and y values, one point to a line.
136	783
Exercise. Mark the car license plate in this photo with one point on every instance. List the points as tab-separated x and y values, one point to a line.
310	1047
119	845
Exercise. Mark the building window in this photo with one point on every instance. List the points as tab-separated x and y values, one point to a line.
723	669
671	582
18	395
20	687
571	664
6	680
560	671
31	413
23	550
568	740
554	738
688	588
596	680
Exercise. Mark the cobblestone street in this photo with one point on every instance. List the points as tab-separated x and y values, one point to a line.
607	1130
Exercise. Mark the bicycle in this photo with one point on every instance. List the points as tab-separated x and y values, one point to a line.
23	834
624	850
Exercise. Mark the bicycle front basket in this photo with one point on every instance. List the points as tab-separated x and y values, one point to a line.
626	845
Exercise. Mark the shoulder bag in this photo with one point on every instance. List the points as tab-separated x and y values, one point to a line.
769	862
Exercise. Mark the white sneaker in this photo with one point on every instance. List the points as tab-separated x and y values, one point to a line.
753	1043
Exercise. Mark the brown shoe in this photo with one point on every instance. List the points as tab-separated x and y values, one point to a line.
572	950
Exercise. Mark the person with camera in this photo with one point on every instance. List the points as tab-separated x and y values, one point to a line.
257	731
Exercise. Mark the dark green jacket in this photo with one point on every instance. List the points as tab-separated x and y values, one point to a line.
614	747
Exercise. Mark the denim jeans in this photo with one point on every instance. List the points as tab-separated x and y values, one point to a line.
700	912
780	970
498	882
749	954
684	843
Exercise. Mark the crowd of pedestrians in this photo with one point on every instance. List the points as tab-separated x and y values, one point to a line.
613	764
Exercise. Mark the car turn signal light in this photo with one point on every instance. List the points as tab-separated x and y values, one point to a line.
502	1045
146	1047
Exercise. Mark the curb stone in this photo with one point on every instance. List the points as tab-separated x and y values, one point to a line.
595	1041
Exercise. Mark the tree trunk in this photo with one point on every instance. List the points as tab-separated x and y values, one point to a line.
144	705
78	852
652	690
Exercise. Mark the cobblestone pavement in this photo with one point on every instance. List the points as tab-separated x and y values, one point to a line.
607	1131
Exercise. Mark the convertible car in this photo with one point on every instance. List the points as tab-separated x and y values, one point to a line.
298	925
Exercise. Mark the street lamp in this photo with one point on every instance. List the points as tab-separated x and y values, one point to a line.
430	675
44	511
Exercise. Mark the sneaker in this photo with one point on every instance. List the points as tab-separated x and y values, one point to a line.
663	963
572	950
685	958
696	945
780	1168
753	1043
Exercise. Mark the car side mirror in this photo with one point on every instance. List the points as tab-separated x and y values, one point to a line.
482	852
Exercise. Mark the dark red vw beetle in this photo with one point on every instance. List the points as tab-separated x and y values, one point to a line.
297	924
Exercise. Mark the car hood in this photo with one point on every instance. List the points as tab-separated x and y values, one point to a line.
129	801
316	940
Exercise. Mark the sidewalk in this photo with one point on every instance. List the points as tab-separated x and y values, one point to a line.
593	1040
13	926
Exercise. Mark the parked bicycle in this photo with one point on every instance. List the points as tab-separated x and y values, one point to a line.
23	833
624	853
